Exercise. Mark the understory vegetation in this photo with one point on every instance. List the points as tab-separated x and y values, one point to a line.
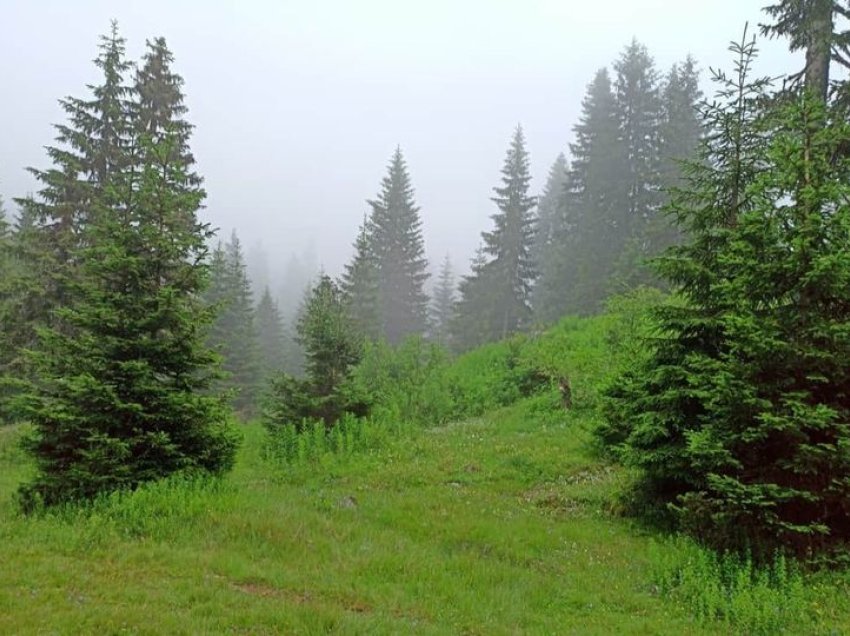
487	511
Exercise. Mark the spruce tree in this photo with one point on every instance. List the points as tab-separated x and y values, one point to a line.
92	147
549	213
399	253
158	106
640	114
233	333
271	337
471	324
809	25
443	306
679	135
680	129
359	285
118	397
330	343
587	239
739	419
7	348
496	301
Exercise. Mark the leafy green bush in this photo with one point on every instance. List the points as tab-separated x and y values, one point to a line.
406	383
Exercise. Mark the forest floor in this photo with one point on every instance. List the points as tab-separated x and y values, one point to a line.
497	525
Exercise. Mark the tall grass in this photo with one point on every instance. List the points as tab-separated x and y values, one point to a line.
730	589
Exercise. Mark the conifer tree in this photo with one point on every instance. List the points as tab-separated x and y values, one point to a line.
549	212
359	285
443	307
639	113
587	239
325	331
399	253
501	288
158	106
118	397
92	148
739	419
7	349
680	128
233	333
470	325
810	25
271	337
679	136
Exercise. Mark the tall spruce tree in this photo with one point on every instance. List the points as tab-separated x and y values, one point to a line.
159	105
587	239
233	333
639	110
359	285
7	347
501	288
92	146
739	419
271	338
470	325
443	304
679	135
810	26
117	396
399	253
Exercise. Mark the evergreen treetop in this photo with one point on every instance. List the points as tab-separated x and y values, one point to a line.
399	253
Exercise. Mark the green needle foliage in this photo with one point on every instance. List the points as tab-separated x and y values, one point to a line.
118	397
739	420
116	380
332	346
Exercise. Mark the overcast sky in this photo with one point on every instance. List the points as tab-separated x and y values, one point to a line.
298	105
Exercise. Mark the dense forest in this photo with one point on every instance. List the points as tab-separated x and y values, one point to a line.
656	343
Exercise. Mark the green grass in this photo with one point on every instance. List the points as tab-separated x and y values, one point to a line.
499	525
505	523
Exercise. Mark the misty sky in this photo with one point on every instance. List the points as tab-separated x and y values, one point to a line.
298	105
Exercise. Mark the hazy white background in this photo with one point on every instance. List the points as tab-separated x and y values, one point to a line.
298	105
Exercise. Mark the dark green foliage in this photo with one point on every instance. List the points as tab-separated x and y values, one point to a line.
495	301
330	343
271	337
332	347
739	420
117	398
443	304
359	285
395	241
111	252
233	333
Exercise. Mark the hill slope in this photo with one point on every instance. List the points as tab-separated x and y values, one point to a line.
502	523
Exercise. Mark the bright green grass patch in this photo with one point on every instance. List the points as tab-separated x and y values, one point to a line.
498	525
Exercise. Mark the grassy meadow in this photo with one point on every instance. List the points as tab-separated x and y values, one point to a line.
497	517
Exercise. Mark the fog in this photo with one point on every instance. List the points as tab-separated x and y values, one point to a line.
298	105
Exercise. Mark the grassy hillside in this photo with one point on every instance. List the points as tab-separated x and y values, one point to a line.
502	522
